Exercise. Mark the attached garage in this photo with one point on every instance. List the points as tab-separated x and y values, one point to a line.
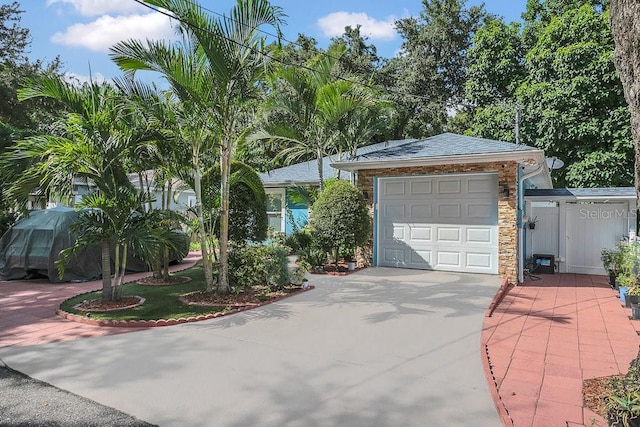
438	222
448	202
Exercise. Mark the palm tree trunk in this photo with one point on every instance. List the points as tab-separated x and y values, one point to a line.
319	158
223	279
206	261
106	270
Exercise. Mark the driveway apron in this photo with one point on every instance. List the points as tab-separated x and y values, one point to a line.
381	347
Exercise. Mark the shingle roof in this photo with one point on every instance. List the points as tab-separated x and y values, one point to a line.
583	193
307	172
446	144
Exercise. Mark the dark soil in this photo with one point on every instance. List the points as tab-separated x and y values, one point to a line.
99	305
255	295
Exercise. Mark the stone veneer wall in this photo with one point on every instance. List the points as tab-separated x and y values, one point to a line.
507	208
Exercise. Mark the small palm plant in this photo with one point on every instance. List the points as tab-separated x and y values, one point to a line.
116	221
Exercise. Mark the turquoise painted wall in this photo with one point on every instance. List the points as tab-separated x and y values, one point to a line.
299	216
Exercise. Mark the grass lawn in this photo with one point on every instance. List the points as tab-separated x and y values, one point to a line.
161	301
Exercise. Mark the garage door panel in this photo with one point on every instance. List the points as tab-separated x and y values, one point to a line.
393	257
449	235
420	233
394	212
421	259
480	185
450	186
395	188
421	187
449	211
480	210
394	232
421	211
449	259
480	235
479	260
445	223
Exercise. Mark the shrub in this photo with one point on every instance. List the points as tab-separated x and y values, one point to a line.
261	264
340	218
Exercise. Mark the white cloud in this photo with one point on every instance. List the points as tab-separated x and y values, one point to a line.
333	25
101	7
80	79
105	31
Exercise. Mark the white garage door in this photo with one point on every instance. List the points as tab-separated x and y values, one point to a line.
438	222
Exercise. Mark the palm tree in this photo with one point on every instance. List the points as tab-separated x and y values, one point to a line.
313	104
214	69
92	143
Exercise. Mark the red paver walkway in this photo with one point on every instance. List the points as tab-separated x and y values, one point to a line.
547	336
28	310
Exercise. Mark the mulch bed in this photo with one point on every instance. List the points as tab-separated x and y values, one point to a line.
594	393
159	281
330	269
256	295
99	305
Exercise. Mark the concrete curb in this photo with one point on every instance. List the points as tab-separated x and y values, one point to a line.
497	299
503	413
164	322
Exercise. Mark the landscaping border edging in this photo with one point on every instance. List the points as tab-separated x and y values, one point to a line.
165	322
499	296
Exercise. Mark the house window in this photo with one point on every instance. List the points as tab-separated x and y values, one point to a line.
191	201
275	209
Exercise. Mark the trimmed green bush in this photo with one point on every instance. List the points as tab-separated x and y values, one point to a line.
340	218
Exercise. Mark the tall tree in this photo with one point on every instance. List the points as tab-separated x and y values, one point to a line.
625	27
430	72
227	50
559	71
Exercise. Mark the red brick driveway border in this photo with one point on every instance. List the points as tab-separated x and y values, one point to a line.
167	322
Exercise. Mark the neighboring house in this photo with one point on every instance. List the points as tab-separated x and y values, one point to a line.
283	214
182	197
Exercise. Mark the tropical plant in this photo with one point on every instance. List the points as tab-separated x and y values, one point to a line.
623	404
92	142
305	109
119	221
214	69
340	218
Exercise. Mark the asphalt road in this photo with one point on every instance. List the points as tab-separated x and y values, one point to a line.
25	401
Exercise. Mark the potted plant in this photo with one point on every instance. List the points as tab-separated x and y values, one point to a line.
532	223
612	260
633	299
626	281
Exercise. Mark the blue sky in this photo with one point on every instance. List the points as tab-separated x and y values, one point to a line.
81	31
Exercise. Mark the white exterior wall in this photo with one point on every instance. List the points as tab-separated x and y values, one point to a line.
576	231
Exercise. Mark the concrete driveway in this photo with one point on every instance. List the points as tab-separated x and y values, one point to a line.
382	347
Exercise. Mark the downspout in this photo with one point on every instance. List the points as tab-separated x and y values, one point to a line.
520	214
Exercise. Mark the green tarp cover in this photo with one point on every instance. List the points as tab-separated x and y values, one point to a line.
32	245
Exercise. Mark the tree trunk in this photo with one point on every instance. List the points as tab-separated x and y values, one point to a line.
106	270
625	28
206	260
320	167
225	163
